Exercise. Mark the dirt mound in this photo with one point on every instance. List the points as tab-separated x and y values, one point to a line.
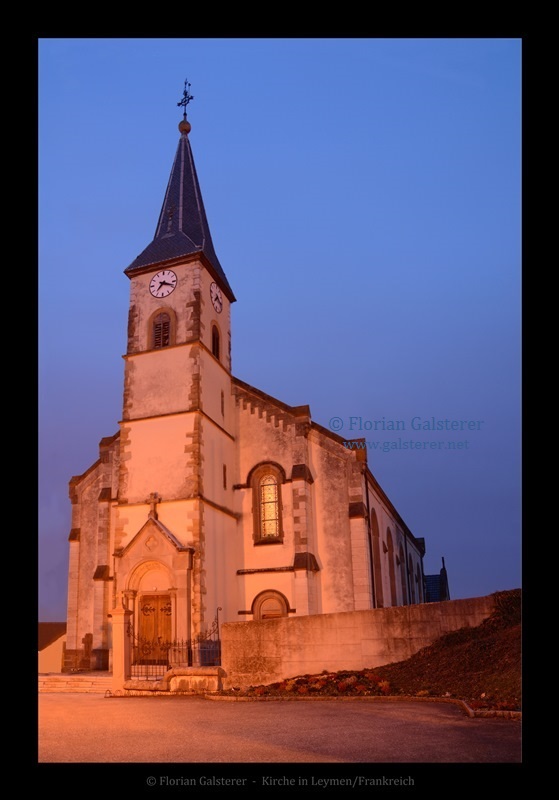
480	665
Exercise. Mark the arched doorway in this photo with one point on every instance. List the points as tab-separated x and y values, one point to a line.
151	591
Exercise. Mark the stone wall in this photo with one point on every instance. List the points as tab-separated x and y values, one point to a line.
266	651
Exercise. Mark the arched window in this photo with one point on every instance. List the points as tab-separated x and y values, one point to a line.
402	562
266	488
377	571
269	507
161	333
391	568
270	605
215	341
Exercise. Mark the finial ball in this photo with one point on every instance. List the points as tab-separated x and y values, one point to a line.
184	126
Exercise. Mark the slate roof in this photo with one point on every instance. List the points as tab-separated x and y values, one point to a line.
432	588
436	588
49	632
182	228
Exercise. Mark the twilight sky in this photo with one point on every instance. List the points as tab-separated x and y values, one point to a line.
364	199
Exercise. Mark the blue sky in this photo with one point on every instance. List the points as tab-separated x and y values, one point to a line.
364	198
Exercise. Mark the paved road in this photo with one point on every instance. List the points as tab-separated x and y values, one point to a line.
90	728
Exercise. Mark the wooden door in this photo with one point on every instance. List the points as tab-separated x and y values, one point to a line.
154	627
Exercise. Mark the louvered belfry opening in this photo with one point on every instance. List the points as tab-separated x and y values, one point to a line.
161	330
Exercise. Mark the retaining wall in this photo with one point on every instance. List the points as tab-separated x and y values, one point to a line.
267	651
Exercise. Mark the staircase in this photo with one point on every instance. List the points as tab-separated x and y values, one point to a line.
91	682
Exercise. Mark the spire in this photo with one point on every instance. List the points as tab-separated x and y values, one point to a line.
182	228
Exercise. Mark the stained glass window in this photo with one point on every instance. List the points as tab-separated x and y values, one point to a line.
269	516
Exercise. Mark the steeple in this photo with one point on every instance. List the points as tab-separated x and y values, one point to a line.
182	228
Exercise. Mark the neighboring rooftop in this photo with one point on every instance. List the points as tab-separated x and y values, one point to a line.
436	586
49	632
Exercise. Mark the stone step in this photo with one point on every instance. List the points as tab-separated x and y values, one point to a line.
75	683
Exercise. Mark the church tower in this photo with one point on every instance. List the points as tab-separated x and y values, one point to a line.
174	513
153	519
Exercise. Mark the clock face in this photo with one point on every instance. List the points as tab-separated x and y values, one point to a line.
163	283
217	297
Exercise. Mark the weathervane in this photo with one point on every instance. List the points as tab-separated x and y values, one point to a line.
186	97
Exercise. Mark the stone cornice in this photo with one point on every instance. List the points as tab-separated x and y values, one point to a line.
178	414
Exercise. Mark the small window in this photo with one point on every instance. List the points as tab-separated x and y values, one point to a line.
271	608
224	476
215	341
161	331
270	605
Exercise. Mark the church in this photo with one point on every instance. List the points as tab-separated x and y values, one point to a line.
215	502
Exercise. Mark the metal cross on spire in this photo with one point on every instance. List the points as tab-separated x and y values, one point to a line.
186	97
